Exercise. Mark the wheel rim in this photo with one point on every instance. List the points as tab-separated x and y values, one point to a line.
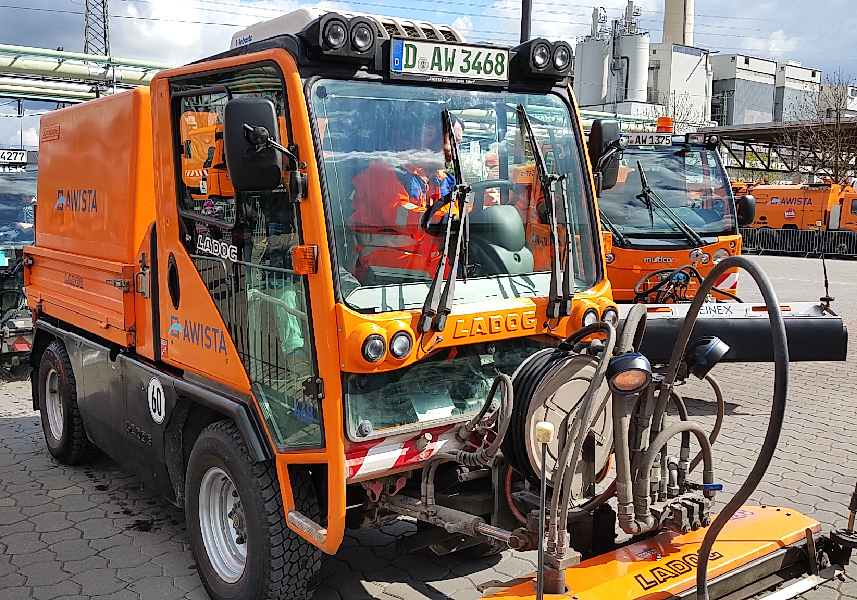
53	404
221	522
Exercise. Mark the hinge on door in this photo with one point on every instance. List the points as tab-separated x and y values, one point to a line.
314	388
120	284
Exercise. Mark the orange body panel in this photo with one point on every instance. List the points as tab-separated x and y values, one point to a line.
665	565
795	206
630	265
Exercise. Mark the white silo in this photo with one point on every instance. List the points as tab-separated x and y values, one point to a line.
629	59
678	22
634	52
591	63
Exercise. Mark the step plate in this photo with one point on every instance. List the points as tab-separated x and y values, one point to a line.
665	565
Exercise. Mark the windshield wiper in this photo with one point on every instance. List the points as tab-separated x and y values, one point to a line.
559	303
618	236
650	198
437	307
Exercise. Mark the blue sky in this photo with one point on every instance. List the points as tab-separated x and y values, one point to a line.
815	32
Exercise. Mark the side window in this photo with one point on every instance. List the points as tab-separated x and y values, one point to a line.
242	245
854	207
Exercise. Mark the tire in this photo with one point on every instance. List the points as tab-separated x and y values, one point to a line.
62	422
272	561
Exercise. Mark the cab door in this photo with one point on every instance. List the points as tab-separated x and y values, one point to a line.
233	311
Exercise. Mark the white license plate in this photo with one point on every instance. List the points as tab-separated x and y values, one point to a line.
450	63
13	156
649	139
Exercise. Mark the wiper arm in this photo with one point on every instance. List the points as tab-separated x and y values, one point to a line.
437	305
650	198
558	304
617	235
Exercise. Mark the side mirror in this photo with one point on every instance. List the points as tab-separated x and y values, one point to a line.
252	163
604	148
746	207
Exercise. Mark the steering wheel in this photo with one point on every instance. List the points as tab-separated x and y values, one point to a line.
478	188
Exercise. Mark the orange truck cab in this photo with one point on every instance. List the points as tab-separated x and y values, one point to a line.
328	338
691	218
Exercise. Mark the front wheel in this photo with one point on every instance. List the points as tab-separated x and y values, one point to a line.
242	546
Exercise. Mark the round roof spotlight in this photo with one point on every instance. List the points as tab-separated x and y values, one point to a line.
590	317
629	373
401	344
362	37
611	316
561	57
541	55
703	354
374	348
335	34
713	139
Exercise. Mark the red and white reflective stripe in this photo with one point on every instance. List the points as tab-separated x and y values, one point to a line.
728	281
375	458
202	173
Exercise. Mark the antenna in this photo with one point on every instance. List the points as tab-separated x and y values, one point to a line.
96	36
827	298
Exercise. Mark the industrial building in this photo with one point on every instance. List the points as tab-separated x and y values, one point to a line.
744	88
619	70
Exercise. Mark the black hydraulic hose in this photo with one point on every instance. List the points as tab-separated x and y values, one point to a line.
721	410
632	332
778	408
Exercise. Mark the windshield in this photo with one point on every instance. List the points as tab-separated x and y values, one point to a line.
17	203
388	170
691	181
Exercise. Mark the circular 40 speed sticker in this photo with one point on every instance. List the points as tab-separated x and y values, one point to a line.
157	404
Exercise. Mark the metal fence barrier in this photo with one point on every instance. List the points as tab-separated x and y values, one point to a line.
800	241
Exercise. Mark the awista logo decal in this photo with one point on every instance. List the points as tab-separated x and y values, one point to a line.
198	334
77	201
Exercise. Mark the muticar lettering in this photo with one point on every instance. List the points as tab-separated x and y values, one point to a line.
671	569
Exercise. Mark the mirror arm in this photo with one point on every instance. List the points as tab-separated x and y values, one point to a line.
259	137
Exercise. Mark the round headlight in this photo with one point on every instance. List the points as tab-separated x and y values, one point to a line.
362	37
629	373
590	317
609	257
561	58
720	255
374	348
541	55
400	344
335	34
706	258
611	316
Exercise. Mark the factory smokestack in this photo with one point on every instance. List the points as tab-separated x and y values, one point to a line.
678	22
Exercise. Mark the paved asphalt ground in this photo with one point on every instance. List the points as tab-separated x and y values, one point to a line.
94	532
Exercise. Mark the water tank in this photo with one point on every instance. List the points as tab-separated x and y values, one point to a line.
636	48
590	72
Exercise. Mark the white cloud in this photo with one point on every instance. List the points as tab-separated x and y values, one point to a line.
464	25
775	45
30	136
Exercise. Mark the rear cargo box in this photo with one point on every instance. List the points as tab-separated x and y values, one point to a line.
95	205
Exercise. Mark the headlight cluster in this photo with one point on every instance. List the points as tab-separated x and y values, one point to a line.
374	347
541	57
335	35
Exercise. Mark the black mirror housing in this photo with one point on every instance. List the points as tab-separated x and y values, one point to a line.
746	208
603	137
251	167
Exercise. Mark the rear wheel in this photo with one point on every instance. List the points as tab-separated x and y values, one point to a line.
62	422
239	537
